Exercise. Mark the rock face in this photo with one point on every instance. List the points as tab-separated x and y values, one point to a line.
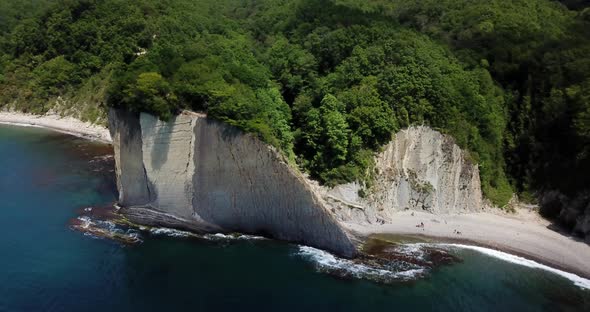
421	169
198	174
127	143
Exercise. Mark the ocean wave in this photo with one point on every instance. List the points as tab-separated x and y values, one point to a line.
213	237
107	225
169	232
326	262
577	280
221	236
86	223
414	250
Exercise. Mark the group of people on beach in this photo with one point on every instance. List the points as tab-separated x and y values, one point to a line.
421	225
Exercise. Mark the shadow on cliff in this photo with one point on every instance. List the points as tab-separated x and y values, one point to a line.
211	133
160	141
228	132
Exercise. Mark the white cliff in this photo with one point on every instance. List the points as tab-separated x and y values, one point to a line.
198	174
202	175
421	169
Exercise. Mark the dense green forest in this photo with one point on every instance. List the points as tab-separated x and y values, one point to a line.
327	81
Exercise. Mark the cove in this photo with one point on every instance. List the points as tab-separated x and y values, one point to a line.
46	178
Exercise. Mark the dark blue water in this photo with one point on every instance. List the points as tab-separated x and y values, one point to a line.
45	178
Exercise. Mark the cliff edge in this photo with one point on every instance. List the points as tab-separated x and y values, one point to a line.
198	174
202	175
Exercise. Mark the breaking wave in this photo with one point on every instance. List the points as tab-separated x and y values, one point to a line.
577	280
328	263
221	236
395	271
107	227
169	232
213	237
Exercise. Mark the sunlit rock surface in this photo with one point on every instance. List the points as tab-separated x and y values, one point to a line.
198	174
420	169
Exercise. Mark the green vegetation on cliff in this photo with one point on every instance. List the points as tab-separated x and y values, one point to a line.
326	81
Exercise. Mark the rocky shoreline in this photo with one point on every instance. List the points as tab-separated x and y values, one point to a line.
525	234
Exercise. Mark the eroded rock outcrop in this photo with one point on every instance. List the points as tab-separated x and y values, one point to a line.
198	174
202	175
421	169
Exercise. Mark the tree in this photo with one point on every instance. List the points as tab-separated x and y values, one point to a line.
370	118
151	93
54	77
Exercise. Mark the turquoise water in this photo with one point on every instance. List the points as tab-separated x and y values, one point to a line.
45	178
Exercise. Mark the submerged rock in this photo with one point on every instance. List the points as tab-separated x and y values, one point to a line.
104	229
424	255
383	261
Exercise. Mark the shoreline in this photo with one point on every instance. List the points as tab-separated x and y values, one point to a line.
54	122
524	235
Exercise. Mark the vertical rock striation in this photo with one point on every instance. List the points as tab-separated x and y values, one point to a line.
421	169
127	143
198	174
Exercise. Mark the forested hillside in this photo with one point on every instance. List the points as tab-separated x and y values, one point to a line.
327	81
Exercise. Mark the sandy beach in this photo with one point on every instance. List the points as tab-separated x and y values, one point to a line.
524	234
67	125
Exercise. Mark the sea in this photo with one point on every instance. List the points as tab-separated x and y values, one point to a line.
48	179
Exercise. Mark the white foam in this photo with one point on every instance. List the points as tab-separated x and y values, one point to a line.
414	250
108	226
221	236
134	234
251	237
577	280
86	222
170	232
327	262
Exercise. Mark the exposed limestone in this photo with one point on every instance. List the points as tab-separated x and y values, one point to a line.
127	143
167	160
198	174
421	169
